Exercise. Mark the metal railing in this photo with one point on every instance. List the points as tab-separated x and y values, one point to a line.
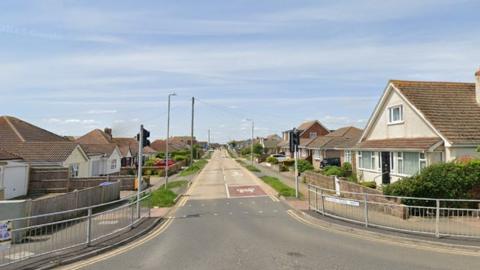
436	217
40	235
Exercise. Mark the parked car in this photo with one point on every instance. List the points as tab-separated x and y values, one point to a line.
330	162
162	163
279	157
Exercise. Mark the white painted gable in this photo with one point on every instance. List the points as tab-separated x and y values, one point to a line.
413	125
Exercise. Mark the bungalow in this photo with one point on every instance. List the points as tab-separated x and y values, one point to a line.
41	148
416	124
104	159
270	143
336	145
128	146
308	130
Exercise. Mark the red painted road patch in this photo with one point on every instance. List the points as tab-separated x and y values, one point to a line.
245	191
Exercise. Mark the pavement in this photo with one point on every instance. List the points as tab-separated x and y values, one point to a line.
231	220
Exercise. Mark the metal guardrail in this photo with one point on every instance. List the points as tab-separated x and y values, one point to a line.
83	226
436	217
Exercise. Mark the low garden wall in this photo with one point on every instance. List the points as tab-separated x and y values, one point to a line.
377	201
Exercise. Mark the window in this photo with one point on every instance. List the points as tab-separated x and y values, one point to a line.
360	161
400	162
113	166
316	154
395	114
365	160
348	156
374	160
73	169
423	161
313	135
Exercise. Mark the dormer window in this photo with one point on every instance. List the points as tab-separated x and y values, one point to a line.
395	114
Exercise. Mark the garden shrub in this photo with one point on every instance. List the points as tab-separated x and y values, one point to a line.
346	169
445	181
369	184
304	165
288	162
272	160
332	170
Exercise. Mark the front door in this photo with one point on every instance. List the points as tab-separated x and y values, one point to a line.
385	167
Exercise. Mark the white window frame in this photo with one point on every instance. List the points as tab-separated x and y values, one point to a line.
360	161
74	169
398	159
113	164
313	134
422	160
390	114
392	162
348	156
374	159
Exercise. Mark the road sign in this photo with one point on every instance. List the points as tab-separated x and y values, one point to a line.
342	201
5	235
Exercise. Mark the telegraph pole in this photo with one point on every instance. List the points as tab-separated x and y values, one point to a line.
208	139
168	137
193	119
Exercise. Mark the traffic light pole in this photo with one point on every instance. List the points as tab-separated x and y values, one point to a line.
140	172
296	170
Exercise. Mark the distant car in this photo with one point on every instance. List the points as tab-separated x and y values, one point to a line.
279	157
330	162
162	163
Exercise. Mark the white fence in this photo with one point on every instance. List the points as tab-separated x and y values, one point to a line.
26	238
437	217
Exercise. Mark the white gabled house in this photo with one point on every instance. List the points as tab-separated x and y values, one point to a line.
416	124
104	159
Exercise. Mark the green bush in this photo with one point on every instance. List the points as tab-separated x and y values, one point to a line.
332	170
282	168
369	184
446	181
304	165
272	160
181	158
346	169
288	163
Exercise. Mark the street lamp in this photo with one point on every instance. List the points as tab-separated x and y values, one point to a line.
251	146
168	137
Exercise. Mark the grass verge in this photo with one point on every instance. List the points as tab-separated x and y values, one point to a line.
279	186
248	166
166	197
196	167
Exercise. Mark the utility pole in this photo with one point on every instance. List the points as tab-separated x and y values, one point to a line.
251	143
193	119
168	137
251	149
140	172
208	147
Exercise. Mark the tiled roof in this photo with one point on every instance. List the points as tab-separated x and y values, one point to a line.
306	125
161	146
55	151
95	136
450	107
149	150
342	138
14	130
99	149
4	155
123	143
400	143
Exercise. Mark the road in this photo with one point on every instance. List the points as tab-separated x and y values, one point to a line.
230	223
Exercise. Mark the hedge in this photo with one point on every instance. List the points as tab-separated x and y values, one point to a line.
444	181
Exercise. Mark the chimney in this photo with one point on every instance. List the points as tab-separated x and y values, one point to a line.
477	85
108	131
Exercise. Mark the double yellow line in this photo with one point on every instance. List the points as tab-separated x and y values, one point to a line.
417	246
133	245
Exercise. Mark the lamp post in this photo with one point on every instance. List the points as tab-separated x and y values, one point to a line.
168	137
251	146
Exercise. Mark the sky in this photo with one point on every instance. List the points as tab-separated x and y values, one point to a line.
72	66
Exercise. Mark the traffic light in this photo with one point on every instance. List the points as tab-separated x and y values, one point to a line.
146	135
294	140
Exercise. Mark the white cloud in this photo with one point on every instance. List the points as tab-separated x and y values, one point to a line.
102	111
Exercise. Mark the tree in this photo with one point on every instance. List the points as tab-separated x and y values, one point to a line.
257	149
